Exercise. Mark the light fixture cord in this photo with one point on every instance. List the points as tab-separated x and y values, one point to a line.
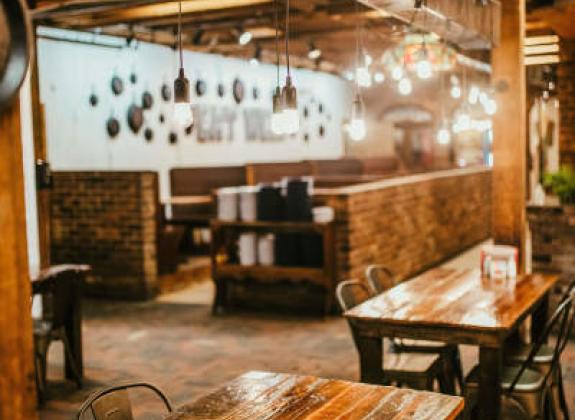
180	33
287	38
357	52
276	23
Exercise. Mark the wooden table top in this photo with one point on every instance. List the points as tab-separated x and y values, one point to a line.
459	299
264	395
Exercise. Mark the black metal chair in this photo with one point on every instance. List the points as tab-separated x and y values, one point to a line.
113	403
59	287
542	362
417	370
526	386
380	279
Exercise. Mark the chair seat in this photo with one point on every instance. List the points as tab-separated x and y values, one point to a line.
410	363
530	380
408	344
518	354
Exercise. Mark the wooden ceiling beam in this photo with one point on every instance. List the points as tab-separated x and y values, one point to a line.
130	15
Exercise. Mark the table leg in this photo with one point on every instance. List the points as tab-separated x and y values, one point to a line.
539	318
73	331
490	366
370	359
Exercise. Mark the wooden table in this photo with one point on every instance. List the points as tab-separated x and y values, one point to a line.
264	395
454	306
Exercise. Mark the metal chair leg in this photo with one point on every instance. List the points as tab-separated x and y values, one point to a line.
71	361
561	392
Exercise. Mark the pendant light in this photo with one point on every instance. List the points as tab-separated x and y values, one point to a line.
289	92
424	69
444	132
277	120
404	86
182	108
356	128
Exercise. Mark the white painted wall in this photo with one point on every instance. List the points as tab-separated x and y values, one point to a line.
26	130
76	132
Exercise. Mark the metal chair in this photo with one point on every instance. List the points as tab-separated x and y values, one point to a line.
418	371
542	362
380	279
114	403
59	287
528	387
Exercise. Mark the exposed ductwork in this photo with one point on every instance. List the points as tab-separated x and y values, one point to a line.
470	24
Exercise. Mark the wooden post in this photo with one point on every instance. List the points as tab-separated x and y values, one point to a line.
509	130
17	389
40	153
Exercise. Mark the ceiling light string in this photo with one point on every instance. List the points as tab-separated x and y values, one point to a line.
277	123
356	127
289	92
180	33
287	38
182	109
276	24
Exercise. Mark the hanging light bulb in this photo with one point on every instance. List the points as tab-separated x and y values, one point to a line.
473	95
397	73
367	59
182	108
424	69
314	52
290	113
455	91
356	128
462	122
404	86
490	107
444	134
379	77
363	77
277	122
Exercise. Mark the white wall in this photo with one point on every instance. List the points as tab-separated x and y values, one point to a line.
28	159
76	132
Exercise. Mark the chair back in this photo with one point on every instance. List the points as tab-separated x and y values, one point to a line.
379	278
351	293
113	403
563	319
61	290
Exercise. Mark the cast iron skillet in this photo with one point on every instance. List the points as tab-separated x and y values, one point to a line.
14	60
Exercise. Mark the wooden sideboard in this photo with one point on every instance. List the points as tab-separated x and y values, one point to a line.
225	270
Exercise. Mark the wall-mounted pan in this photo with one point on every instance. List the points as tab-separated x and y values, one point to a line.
113	127
135	118
14	48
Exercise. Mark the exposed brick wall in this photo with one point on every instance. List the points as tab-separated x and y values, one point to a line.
108	220
411	226
553	242
566	96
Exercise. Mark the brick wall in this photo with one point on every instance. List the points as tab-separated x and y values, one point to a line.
410	223
107	220
553	242
566	96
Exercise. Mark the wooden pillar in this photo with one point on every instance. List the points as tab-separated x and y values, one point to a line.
509	130
17	387
40	153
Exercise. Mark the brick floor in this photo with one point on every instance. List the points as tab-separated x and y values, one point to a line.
177	344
